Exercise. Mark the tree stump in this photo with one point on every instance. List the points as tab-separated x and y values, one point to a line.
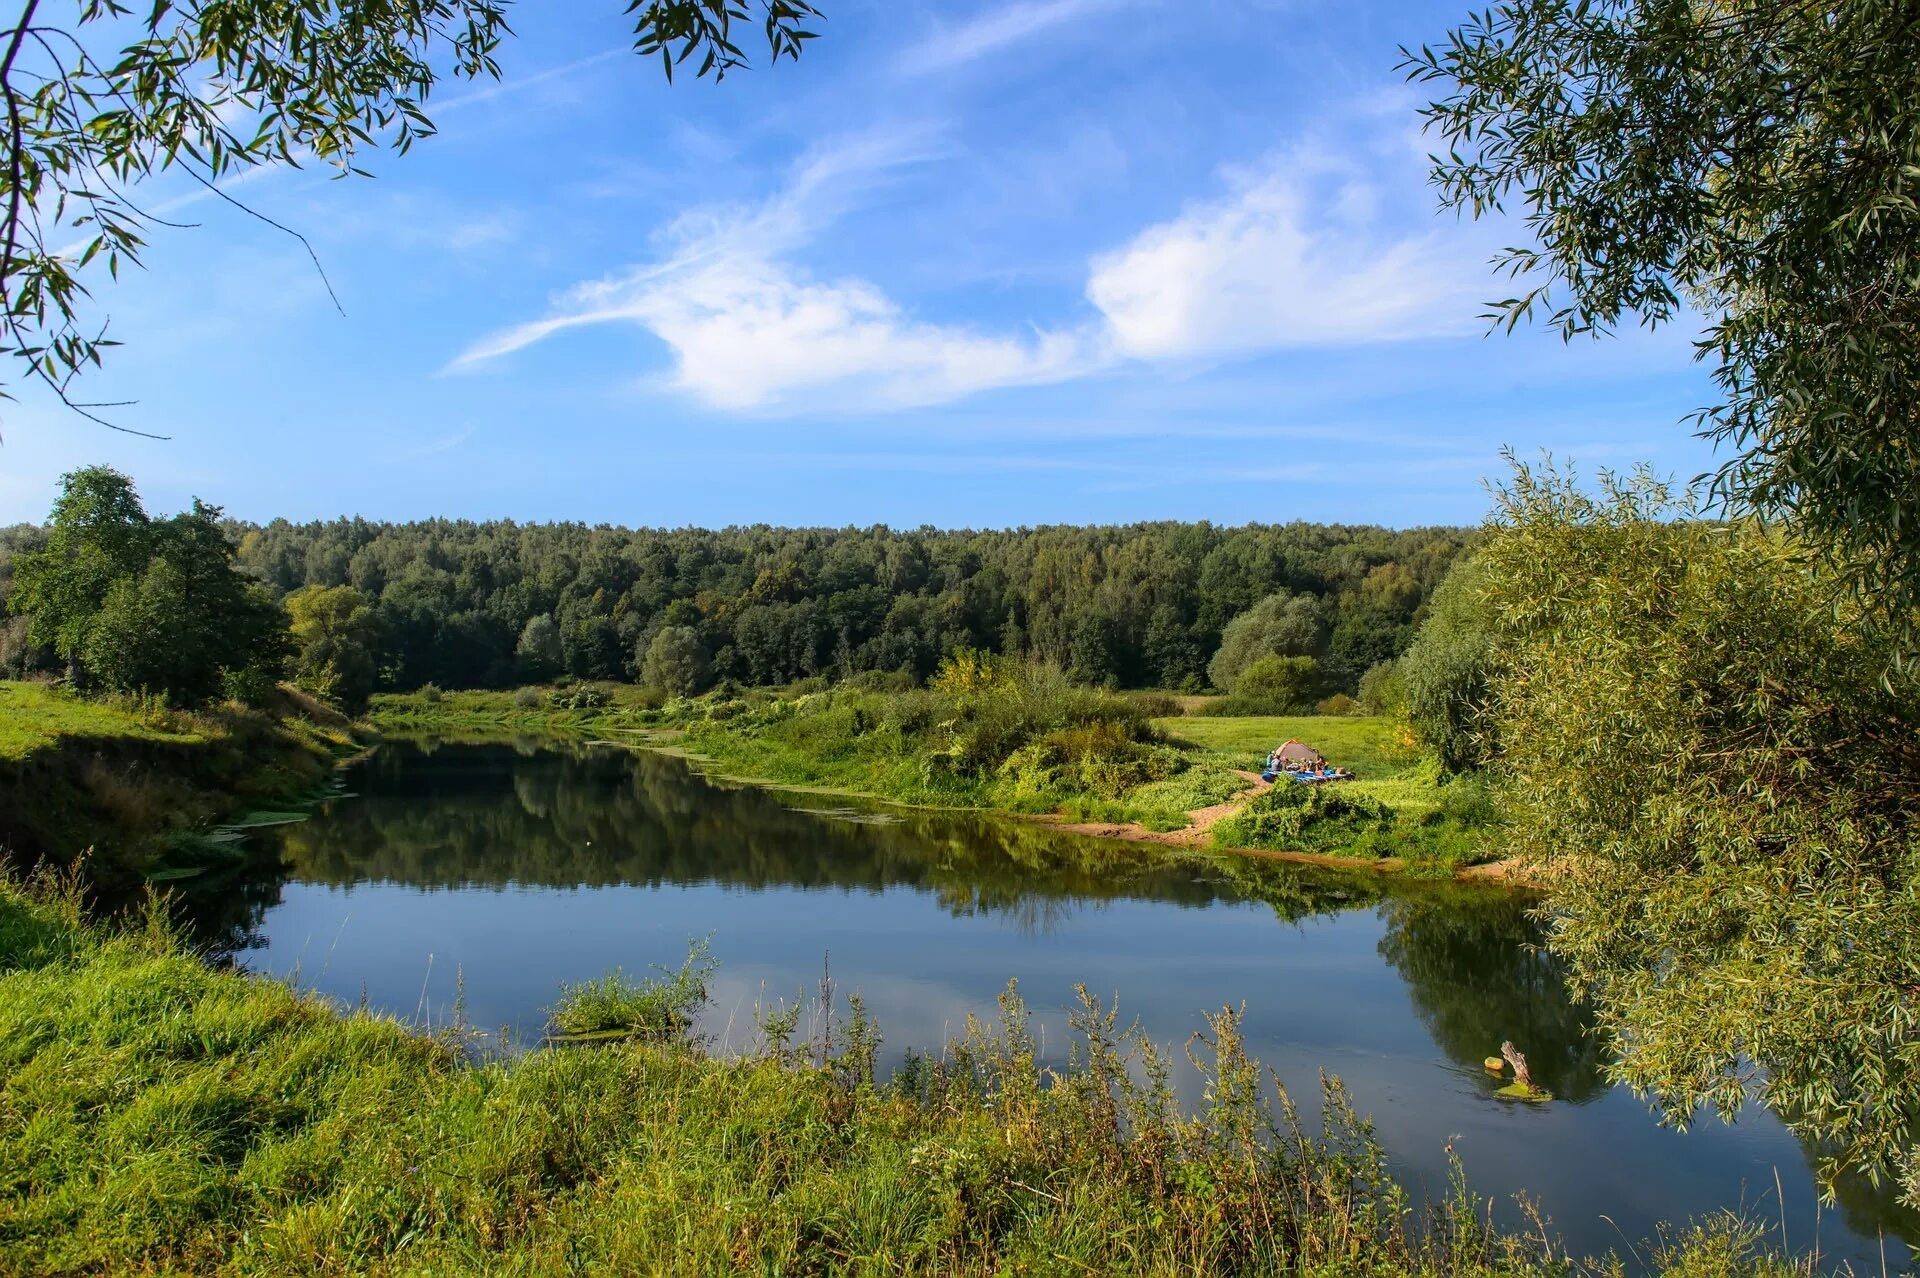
1519	1063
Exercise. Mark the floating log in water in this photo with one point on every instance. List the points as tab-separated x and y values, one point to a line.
1522	1087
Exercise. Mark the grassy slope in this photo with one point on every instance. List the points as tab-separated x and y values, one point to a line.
481	710
160	1116
36	716
125	779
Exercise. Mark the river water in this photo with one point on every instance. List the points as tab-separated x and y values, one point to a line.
489	875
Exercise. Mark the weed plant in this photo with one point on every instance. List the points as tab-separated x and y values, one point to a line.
615	1007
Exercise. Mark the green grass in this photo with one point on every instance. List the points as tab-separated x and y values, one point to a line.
159	1116
615	1007
140	786
583	708
1435	827
1370	745
36	716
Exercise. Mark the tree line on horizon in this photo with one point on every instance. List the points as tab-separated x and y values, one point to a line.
465	604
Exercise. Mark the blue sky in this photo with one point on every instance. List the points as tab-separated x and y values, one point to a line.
981	264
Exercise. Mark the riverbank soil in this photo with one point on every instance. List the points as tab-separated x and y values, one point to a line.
128	783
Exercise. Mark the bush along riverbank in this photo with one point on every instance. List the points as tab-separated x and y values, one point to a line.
142	790
995	734
158	1115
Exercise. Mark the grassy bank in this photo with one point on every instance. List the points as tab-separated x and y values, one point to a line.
587	707
140	785
157	1115
1399	806
997	735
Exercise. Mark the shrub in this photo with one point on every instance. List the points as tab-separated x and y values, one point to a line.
881	681
1156	705
528	699
250	686
657	1007
1306	818
583	696
1339	704
430	693
1278	685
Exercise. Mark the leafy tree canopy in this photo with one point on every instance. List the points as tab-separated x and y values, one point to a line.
335	633
1281	625
1693	717
1279	685
1444	675
210	87
137	604
1757	161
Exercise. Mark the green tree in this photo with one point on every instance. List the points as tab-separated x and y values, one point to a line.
214	87
335	634
1694	715
538	655
1279	685
1758	162
137	604
1171	657
1383	689
674	662
1444	674
97	534
1281	625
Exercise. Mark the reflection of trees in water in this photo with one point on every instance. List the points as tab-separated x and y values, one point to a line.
443	815
489	818
1869	1210
221	911
1473	966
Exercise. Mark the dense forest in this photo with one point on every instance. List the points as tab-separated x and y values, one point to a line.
461	604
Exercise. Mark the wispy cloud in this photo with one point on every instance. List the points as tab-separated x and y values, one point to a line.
991	32
1305	249
747	329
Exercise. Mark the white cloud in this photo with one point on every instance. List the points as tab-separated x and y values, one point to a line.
747	330
990	32
1296	254
1293	256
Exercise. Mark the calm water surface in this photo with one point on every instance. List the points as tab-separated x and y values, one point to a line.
501	871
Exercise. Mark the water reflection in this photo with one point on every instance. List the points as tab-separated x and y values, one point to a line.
1478	976
522	866
476	816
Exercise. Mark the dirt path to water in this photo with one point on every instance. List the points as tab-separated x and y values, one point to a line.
1198	834
1202	820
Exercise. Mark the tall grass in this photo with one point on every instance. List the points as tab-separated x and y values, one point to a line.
157	1115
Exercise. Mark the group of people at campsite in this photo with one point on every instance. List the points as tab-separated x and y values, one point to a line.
1302	763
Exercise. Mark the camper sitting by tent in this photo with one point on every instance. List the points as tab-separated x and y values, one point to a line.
1300	762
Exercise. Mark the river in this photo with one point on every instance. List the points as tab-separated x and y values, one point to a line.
478	878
